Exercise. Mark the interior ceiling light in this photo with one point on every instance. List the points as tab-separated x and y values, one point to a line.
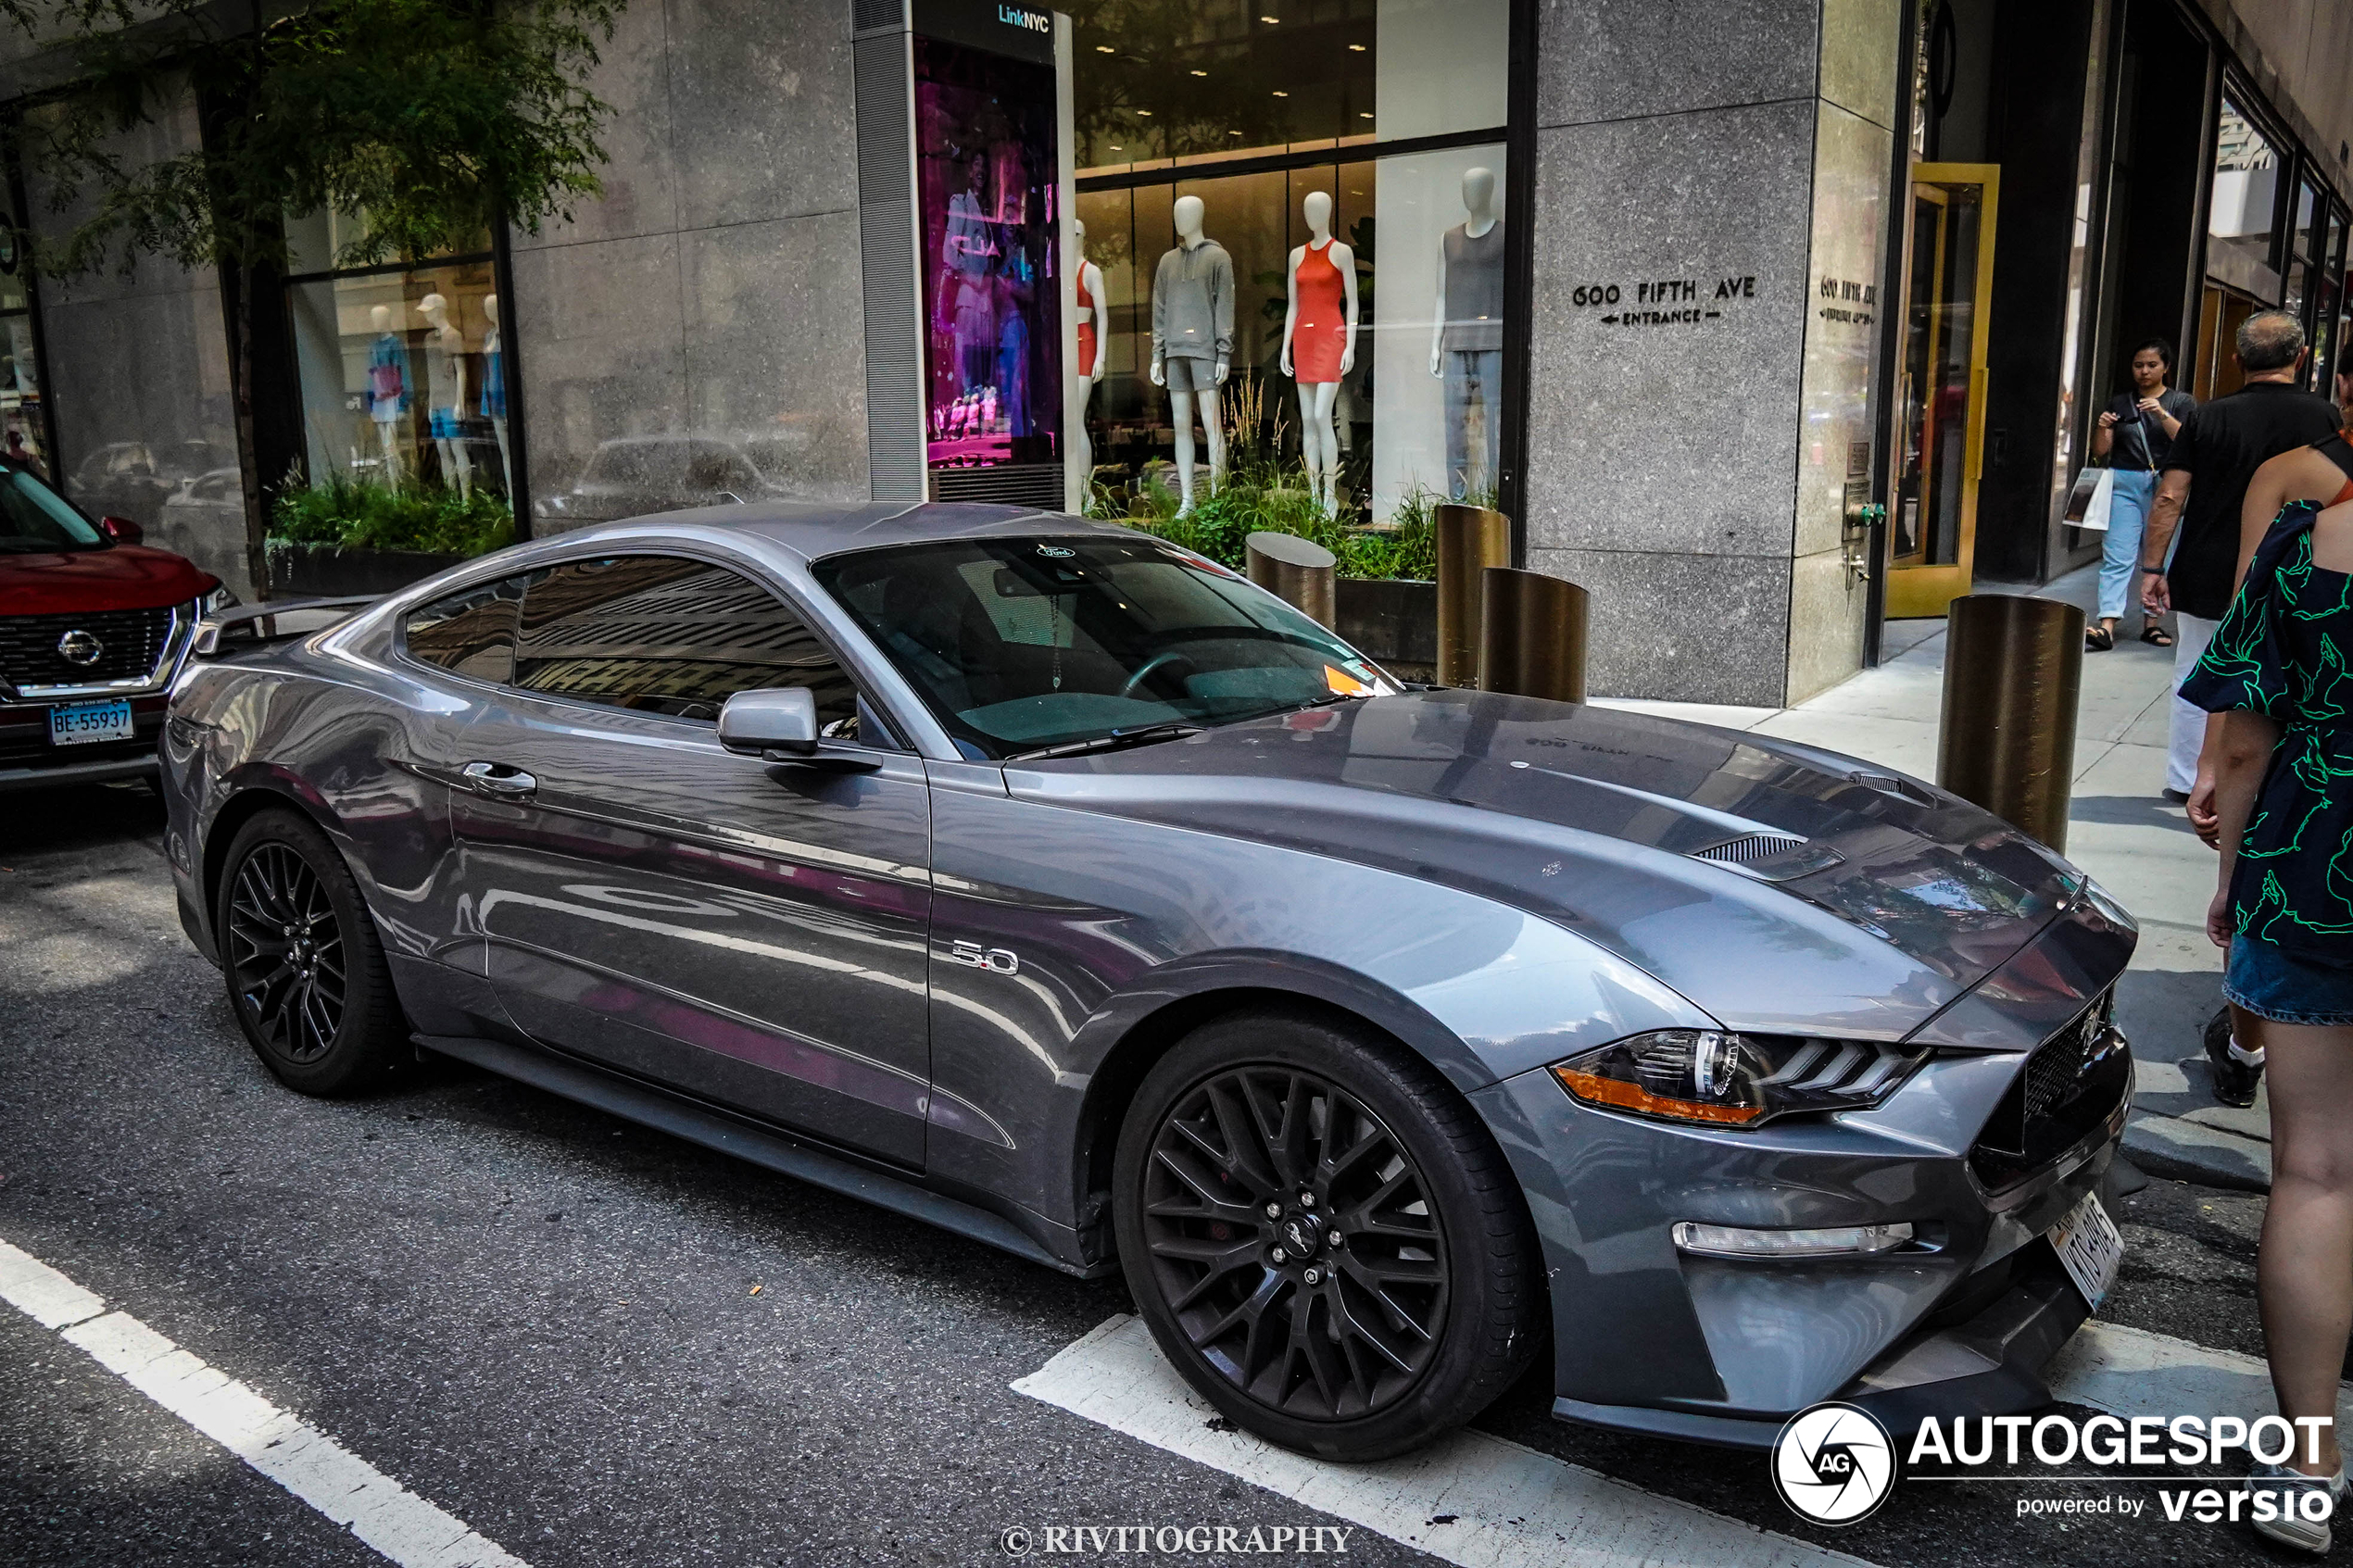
1271	21
1200	73
1280	94
1146	113
1368	115
1355	48
1106	49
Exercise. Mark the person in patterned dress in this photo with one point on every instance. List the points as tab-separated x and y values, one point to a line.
2280	671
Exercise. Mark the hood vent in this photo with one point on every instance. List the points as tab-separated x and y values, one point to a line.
1771	856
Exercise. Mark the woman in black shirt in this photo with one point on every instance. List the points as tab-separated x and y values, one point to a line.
2135	434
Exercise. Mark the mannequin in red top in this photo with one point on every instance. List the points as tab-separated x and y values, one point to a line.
1319	341
1094	338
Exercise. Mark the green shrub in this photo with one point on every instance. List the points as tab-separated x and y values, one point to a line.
413	516
1264	498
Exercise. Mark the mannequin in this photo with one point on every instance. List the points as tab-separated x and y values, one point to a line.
494	390
1319	341
387	390
1467	342
1094	336
445	391
1193	340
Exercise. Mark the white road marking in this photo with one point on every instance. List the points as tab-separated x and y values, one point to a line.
1512	1506
380	1511
2131	1372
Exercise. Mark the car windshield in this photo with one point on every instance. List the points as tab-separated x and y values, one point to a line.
1020	644
35	521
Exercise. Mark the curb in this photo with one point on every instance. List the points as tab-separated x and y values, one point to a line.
2189	1151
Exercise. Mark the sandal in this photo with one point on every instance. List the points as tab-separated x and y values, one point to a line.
2156	635
2098	639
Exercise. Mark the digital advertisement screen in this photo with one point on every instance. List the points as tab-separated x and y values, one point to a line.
986	188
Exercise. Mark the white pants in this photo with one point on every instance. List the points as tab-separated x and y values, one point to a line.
2191	635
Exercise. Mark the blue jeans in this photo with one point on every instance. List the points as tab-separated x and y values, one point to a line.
2270	984
2128	512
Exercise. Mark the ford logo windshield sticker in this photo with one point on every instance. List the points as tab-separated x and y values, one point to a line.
1055	552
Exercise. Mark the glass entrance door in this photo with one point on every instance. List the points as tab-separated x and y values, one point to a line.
1940	407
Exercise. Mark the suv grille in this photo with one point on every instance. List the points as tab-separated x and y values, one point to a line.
130	641
2068	1086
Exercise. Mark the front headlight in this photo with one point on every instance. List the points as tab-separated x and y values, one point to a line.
220	598
1721	1079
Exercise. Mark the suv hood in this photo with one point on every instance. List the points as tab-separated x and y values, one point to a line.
1856	900
118	577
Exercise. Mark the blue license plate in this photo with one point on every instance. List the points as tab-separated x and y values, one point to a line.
82	722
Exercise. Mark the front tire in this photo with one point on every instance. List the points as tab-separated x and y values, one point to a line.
306	973
1323	1236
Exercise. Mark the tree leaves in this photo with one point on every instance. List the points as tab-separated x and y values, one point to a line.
425	121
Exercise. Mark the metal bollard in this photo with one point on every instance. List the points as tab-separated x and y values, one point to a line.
1299	572
2013	672
1470	539
1531	635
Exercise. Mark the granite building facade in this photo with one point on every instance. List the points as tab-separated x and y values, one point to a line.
1771	268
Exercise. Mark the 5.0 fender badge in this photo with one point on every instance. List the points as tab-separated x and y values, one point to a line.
972	955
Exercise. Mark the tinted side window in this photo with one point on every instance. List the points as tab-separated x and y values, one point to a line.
472	633
663	634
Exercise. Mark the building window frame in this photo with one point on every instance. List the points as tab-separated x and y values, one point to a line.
499	256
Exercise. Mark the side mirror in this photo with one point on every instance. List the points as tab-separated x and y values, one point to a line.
775	719
121	530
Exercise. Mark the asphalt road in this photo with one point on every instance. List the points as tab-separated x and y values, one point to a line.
597	1345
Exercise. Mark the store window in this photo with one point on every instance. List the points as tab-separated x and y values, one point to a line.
1337	156
402	370
23	427
2329	303
2242	213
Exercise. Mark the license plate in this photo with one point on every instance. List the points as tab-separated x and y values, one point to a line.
85	721
2090	1247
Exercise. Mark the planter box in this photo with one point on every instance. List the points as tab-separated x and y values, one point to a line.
1393	620
331	571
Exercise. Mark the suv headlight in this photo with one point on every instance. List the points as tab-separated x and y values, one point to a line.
1717	1078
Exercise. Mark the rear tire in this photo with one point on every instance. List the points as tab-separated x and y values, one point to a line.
1427	1306
306	973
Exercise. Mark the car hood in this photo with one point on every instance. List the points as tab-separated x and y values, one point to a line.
1871	902
119	577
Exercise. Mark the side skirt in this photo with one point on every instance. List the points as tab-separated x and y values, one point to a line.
716	1130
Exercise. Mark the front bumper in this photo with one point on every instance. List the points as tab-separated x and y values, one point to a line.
28	761
1724	1350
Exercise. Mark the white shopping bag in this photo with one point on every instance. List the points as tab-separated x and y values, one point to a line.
2095	513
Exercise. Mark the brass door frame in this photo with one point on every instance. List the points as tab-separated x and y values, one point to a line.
1926	590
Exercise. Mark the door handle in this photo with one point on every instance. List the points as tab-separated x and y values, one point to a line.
497	779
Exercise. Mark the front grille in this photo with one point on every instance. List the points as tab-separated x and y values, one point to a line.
131	643
2069	1087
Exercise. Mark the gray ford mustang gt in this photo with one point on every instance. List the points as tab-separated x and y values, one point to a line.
1038	879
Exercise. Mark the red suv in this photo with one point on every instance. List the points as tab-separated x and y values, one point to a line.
93	625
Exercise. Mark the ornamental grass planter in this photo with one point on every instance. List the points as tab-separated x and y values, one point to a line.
311	572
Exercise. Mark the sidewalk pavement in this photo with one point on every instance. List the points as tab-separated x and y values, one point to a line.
2121	829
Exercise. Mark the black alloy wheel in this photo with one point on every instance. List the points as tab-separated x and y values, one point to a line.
286	955
304	971
1323	1236
1292	1236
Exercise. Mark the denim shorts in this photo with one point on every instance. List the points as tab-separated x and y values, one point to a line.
2270	984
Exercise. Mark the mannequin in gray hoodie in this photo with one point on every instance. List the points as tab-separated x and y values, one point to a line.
1193	340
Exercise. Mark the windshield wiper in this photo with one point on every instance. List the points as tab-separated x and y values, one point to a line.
1118	740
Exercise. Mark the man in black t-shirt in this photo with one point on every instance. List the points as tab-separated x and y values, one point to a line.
2218	450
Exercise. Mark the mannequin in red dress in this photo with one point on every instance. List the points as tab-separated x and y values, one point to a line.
1319	341
1094	340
